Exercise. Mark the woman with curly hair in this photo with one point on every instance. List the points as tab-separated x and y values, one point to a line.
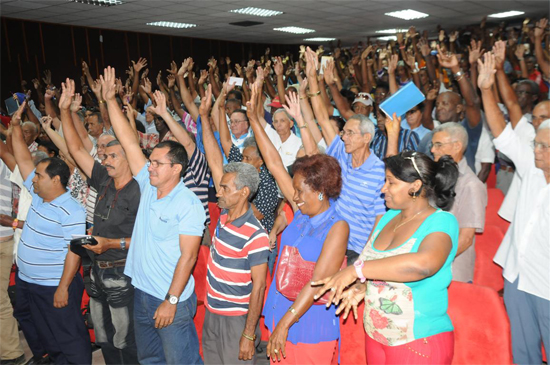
302	332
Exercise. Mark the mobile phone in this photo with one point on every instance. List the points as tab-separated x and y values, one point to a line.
324	61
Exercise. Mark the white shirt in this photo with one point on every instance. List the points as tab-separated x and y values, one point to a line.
25	200
526	134
485	150
287	149
525	249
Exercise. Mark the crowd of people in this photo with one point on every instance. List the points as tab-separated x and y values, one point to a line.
367	206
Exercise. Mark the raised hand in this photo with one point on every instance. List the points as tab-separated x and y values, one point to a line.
146	86
410	60
203	77
399	37
328	73
228	61
540	27
144	74
279	66
47	77
191	63
520	51
453	36
139	65
393	125
46	122
392	66
366	52
446	60
441	35
293	107
77	101
49	94
433	92
206	102
96	88
252	107
171	81
66	98
424	47
127	99
311	63
85	68
16	117
303	87
159	78
475	51
160	100
239	69
499	50
259	77
36	84
108	86
173	70
487	71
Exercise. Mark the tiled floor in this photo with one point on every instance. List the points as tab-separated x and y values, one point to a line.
97	357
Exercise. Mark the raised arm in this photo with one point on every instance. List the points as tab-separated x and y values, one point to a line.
486	79
225	136
270	155
186	96
330	80
293	108
137	67
122	129
321	114
542	61
211	148
508	95
392	66
74	144
177	130
21	152
307	112
279	69
473	110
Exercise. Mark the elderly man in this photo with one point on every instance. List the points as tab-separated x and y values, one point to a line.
111	294
49	288
165	245
363	175
524	253
471	196
30	132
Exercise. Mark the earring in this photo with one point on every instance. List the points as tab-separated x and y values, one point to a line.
320	197
414	198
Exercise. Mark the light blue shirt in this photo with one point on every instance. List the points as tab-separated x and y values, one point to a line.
420	131
46	235
155	248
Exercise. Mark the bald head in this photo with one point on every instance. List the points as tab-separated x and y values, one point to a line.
541	112
448	107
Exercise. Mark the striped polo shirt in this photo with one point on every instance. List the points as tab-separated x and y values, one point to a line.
361	198
197	177
47	233
236	247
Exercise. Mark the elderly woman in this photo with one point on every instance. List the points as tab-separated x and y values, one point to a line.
405	268
319	234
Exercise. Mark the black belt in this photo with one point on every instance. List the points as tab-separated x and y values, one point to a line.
110	264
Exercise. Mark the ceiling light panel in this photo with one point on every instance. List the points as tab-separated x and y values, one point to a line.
319	39
172	25
408	14
506	14
256	12
98	2
388	38
295	30
388	31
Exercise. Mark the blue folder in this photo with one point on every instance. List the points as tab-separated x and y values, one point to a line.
403	100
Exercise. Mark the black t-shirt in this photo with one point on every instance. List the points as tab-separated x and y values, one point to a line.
115	211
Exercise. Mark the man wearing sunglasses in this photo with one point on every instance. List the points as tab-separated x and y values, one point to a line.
111	292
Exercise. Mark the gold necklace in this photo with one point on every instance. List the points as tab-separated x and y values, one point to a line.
410	219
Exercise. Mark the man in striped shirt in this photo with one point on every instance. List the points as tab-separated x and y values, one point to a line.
237	269
49	289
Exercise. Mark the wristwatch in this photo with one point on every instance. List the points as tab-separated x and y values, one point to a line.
123	243
458	74
172	299
358	269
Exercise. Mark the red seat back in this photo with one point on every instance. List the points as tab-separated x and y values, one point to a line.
495	197
352	337
481	326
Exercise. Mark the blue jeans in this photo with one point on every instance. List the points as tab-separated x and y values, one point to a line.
175	344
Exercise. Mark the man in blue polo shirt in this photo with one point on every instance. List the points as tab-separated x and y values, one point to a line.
49	289
165	244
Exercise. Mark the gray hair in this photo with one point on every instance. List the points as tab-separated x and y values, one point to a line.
246	175
282	110
35	128
456	131
532	85
544	125
251	142
38	156
365	124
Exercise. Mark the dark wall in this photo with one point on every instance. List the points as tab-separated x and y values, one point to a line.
28	48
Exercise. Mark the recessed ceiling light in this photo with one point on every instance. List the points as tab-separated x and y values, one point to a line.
295	30
388	31
172	25
506	14
256	12
388	38
98	2
408	14
319	39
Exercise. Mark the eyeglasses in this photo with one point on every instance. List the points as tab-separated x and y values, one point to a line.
156	163
348	133
543	146
438	145
236	121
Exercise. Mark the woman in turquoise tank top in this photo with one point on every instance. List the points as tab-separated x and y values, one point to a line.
405	268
